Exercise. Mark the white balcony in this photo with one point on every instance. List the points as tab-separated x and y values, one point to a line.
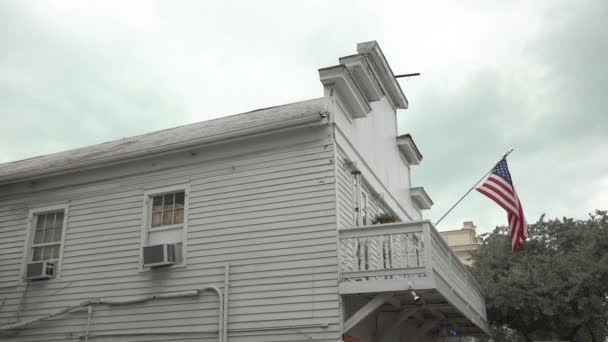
380	263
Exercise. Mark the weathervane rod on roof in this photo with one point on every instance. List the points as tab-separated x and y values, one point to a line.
407	75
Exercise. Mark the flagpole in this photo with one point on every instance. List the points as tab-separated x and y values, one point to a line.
473	187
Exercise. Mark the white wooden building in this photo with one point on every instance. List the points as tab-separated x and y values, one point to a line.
253	227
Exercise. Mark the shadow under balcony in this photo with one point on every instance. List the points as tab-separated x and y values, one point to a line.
381	264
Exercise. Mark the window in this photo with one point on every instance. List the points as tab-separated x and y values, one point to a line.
165	220
46	235
168	209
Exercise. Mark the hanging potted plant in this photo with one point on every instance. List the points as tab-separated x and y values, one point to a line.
384	218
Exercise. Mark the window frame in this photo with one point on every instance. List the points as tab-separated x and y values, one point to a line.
30	233
146	226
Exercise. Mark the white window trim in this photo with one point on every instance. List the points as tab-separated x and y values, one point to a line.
29	236
147	216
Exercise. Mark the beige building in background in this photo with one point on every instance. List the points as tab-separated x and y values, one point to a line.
462	241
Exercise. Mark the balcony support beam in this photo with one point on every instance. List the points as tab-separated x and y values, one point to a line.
419	260
385	285
395	302
403	316
366	310
422	330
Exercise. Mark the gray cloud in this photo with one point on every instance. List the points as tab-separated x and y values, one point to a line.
550	106
525	75
58	92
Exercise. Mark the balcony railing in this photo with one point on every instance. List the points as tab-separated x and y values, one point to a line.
410	251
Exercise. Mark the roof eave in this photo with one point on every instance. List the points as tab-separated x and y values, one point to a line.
384	73
303	120
421	198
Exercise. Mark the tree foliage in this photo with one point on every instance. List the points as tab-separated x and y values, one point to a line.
555	286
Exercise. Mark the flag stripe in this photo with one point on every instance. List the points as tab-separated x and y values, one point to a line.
494	197
507	199
498	187
500	182
514	224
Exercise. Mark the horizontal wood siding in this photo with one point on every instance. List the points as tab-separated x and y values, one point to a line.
346	196
345	192
270	213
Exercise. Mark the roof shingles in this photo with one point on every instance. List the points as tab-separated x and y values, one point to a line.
165	140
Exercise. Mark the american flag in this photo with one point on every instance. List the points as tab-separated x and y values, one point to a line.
498	186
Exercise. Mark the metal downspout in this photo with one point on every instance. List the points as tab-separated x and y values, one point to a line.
221	313
226	291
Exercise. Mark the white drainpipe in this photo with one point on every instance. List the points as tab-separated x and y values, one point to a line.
226	290
190	293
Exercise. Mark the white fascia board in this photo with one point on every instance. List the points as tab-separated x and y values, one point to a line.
364	76
339	77
421	198
384	73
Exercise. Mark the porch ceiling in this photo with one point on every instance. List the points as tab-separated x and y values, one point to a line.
435	307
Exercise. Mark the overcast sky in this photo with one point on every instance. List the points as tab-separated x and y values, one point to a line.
528	75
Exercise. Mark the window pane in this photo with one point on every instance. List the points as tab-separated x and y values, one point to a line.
37	254
47	253
38	236
48	235
55	253
156	219
167	217
50	220
57	234
59	219
40	221
168	209
179	200
157	204
168	202
179	216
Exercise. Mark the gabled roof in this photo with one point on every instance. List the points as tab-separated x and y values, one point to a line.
164	141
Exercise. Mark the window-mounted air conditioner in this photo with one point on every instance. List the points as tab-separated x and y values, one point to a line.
40	270
160	255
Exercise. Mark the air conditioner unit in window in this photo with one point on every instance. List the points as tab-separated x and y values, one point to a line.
40	270
160	255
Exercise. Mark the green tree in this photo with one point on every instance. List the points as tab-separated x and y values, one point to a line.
555	287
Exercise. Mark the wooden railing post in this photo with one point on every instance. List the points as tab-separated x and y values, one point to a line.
389	248
428	248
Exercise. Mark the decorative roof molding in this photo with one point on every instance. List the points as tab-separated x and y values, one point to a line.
384	74
350	93
421	198
408	149
362	73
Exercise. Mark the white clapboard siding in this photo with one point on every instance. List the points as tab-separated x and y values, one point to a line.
346	196
345	192
270	213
